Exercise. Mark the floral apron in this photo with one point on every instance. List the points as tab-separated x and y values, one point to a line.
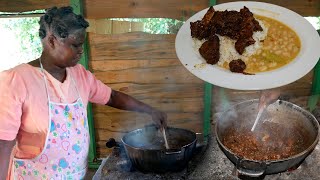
66	147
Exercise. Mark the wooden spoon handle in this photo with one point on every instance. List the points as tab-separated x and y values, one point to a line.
165	138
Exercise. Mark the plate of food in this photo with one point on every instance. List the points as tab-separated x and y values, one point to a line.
248	45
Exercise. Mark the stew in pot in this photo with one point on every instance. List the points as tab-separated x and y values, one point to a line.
153	140
272	141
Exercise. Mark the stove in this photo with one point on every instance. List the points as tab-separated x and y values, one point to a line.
208	163
118	166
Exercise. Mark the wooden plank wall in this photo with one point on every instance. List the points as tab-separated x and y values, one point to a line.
146	67
106	26
29	5
178	9
299	91
142	65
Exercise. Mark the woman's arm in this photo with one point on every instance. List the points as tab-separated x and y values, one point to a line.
5	152
100	93
123	101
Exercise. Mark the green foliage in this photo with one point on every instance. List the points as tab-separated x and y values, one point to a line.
161	25
156	25
26	31
21	13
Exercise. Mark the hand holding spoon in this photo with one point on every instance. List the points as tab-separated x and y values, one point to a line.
267	97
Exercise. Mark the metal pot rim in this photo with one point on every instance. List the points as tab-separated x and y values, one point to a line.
153	150
279	160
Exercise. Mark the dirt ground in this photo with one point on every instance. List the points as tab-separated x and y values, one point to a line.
90	174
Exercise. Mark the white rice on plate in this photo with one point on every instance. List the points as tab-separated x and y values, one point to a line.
227	49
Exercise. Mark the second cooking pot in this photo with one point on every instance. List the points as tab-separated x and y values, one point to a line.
146	149
286	115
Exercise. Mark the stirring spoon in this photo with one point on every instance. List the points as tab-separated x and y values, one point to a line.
267	97
165	138
258	117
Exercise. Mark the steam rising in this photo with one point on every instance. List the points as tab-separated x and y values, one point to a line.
293	128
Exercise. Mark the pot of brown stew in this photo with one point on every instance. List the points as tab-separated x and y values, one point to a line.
146	149
285	135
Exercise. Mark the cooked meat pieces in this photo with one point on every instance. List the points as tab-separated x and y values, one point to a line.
257	26
245	12
209	50
241	44
233	24
201	29
226	23
208	16
239	26
246	28
237	66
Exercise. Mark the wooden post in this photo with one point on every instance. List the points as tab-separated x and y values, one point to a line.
77	6
207	102
315	90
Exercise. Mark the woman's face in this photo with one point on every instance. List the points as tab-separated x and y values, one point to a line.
67	52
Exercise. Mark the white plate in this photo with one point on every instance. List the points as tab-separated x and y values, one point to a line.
300	66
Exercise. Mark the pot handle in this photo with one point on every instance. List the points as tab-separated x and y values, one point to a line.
178	154
175	151
111	143
251	168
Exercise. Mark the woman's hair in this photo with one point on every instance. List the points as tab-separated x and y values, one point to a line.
61	22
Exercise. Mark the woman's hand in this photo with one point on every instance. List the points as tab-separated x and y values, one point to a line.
123	101
159	118
268	97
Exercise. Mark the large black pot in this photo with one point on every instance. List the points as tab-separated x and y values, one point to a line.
146	149
282	112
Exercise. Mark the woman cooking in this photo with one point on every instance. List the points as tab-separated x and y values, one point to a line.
44	104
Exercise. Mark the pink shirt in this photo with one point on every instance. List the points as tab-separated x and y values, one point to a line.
24	109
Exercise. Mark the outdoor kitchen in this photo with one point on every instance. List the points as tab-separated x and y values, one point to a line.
237	80
207	162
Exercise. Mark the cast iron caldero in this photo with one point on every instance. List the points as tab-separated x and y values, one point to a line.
146	149
283	113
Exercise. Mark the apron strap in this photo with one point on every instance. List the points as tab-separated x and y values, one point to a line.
45	80
60	91
74	82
